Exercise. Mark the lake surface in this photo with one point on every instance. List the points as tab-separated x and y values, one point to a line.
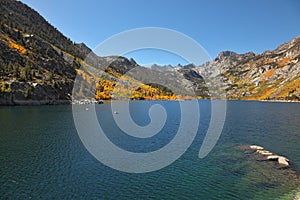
42	157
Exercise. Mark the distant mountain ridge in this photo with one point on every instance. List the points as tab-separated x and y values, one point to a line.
38	65
272	75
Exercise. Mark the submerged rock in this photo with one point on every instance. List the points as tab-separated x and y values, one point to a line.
274	174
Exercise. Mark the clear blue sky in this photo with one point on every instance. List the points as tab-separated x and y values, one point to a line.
237	25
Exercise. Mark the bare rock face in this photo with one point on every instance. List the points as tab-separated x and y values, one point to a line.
222	55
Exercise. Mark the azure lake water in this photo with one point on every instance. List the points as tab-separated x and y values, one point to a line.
42	157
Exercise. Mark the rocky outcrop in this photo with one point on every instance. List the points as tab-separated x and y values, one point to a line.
267	155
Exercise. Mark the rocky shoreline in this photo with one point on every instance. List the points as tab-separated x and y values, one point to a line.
281	101
7	99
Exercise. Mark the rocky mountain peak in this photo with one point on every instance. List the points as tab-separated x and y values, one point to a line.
84	48
224	54
250	54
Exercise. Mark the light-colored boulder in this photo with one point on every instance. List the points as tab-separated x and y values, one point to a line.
264	152
283	161
255	147
273	157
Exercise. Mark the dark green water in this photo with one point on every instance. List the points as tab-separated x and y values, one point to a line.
42	157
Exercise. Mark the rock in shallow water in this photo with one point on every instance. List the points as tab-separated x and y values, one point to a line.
273	157
282	161
264	152
255	147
